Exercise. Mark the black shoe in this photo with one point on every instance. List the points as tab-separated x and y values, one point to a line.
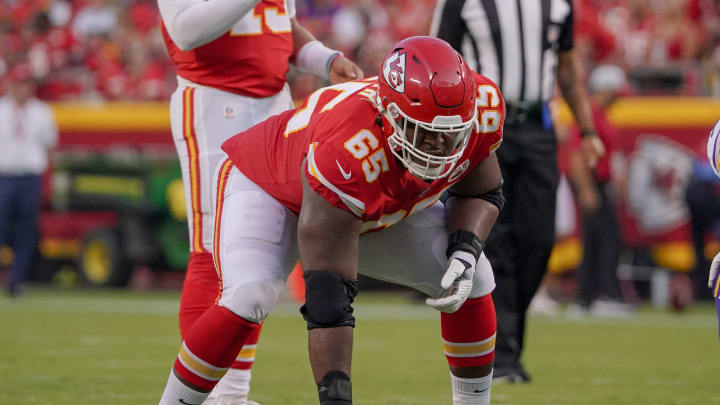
523	374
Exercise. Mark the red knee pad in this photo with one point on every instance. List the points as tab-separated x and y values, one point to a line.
469	333
200	291
211	346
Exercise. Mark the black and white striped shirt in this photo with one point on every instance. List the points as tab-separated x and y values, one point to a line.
515	43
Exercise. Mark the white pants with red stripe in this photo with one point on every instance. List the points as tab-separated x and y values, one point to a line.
202	118
255	248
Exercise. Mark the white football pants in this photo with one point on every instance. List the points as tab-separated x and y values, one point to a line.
256	248
201	119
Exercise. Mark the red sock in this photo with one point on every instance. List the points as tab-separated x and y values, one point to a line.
469	333
246	357
211	346
200	290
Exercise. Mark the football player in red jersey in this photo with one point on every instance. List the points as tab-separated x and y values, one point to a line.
350	182
232	58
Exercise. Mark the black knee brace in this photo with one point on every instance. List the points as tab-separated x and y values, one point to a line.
335	389
328	299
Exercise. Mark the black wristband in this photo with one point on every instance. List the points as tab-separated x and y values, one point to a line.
465	241
587	132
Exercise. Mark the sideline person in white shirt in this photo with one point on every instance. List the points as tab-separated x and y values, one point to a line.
27	132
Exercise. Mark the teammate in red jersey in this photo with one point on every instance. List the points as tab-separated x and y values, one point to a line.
350	180
232	58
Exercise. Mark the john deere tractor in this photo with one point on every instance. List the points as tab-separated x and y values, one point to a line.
114	210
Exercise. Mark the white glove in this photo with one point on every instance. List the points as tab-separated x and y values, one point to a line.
457	282
714	270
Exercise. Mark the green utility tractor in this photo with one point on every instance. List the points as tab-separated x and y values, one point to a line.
123	208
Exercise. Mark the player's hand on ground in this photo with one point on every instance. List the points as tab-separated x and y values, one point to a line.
714	270
457	282
343	69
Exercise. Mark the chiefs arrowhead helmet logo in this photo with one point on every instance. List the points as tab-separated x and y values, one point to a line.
394	71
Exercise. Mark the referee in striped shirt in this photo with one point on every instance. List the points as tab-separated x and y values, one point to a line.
525	46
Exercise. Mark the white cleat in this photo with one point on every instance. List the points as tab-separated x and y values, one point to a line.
602	308
544	304
229	400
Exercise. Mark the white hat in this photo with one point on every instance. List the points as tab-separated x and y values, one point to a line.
607	78
713	148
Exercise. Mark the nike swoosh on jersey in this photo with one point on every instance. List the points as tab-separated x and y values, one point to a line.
346	175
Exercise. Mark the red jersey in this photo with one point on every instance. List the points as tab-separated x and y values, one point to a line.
251	59
349	161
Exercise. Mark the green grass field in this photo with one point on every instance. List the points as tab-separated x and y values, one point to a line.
117	347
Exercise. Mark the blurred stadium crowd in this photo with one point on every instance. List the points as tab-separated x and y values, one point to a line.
112	50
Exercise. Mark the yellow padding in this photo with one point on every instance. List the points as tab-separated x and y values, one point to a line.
678	256
656	112
667	112
133	116
566	256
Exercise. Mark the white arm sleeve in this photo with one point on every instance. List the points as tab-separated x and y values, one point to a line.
290	8
192	23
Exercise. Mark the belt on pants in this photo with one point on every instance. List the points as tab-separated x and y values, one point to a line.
523	112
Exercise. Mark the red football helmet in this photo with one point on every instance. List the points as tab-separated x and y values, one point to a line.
426	86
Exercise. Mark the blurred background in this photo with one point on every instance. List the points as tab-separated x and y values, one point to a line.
113	210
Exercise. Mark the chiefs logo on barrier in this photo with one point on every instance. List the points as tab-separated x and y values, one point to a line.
657	178
394	71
